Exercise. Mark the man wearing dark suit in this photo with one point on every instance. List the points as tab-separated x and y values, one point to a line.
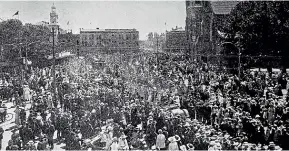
1	136
267	133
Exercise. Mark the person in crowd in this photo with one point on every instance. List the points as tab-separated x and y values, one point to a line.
122	143
173	145
114	146
17	115
1	136
227	109
161	140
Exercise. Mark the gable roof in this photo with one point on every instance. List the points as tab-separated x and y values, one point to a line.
223	7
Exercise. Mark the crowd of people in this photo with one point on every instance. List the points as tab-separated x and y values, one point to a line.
151	104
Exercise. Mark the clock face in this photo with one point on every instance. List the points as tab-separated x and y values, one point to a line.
53	18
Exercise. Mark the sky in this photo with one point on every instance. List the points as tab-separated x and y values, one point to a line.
145	16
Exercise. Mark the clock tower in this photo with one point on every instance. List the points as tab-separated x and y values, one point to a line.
53	15
54	27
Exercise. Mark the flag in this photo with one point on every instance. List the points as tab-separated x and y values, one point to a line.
17	13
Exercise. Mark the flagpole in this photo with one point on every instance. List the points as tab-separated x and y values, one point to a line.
22	76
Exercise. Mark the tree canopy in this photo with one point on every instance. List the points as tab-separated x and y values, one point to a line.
263	29
15	37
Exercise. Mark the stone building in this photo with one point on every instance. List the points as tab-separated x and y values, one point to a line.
203	22
109	40
176	41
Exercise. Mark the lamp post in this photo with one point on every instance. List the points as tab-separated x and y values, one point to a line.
53	63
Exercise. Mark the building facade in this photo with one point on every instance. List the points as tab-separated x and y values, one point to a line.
155	41
112	40
204	20
176	41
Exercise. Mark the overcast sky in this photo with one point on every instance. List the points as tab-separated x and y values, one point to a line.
145	16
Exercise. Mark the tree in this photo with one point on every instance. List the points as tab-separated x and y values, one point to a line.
10	32
264	30
35	37
16	37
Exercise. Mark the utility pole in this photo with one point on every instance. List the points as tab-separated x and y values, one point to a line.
157	43
53	66
21	66
26	60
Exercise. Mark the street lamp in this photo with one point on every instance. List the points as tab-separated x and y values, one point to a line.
53	66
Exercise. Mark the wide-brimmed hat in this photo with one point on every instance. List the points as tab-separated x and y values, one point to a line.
271	144
212	143
187	124
114	139
177	137
123	136
245	144
278	148
190	146
87	141
150	118
235	144
30	142
172	139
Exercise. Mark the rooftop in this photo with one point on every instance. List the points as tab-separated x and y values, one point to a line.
107	30
223	7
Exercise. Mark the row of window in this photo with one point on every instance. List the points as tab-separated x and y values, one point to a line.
112	36
91	43
111	41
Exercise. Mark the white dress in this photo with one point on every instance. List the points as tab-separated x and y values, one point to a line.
114	146
26	91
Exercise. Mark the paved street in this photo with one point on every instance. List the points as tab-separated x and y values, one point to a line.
9	127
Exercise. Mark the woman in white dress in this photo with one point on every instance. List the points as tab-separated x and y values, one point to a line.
173	145
122	142
26	92
114	146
